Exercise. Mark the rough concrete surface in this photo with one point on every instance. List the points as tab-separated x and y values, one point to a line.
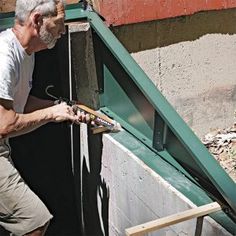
198	78
138	195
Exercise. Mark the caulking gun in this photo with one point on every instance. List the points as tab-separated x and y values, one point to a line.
101	122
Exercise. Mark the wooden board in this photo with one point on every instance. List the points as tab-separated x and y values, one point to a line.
173	219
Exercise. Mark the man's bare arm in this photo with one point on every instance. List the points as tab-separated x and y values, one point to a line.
13	124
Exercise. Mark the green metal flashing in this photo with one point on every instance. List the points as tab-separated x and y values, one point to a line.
75	11
6	20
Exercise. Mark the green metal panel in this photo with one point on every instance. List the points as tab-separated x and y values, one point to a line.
178	141
118	98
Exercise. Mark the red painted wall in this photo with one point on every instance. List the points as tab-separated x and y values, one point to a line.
119	12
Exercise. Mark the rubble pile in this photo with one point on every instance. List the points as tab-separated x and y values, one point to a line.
222	145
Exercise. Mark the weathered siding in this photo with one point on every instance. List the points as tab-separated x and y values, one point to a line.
119	12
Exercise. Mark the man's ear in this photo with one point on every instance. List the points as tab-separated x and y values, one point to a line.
37	20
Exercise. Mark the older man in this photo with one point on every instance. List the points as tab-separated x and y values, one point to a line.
38	25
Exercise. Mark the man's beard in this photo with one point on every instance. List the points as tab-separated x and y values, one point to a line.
47	37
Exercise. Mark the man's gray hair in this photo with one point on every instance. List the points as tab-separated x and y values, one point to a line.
25	7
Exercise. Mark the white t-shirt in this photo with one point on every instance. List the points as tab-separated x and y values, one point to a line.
16	69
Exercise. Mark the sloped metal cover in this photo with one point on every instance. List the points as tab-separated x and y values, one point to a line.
129	96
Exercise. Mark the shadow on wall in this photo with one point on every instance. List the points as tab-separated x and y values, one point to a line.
95	199
161	33
43	156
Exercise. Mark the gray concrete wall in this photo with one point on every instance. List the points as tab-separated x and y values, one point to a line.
137	195
192	60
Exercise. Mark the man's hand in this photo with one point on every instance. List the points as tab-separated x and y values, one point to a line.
63	112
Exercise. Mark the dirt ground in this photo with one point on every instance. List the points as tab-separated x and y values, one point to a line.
222	145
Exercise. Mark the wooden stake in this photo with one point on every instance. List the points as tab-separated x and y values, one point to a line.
172	219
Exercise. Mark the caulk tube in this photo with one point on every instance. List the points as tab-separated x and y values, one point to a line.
98	118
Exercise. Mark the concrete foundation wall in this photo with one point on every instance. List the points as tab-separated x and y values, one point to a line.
198	78
137	195
192	60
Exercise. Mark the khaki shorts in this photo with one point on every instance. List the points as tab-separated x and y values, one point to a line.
21	211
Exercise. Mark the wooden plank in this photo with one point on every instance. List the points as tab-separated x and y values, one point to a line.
172	219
